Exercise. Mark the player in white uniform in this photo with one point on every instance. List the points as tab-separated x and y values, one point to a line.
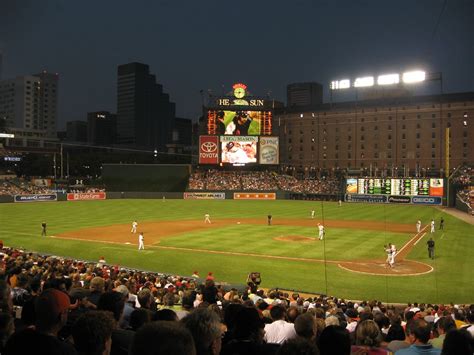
321	231
312	214
432	226
393	253
207	218
141	242
418	226
134	227
388	251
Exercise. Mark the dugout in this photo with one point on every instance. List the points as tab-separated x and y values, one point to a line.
146	177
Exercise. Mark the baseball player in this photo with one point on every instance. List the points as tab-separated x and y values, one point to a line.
134	227
141	242
388	251
321	231
207	218
432	226
418	226
269	219
393	253
312	214
43	229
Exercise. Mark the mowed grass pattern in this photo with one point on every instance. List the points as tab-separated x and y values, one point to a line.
451	280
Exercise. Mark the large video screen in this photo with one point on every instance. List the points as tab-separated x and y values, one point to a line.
395	187
239	123
238	150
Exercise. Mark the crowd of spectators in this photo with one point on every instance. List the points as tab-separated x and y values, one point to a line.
19	186
54	305
260	181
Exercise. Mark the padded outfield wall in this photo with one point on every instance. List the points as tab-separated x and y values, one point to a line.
146	177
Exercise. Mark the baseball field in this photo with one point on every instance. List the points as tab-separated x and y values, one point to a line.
349	262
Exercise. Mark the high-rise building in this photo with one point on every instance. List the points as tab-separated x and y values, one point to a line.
28	104
76	131
101	128
305	95
145	114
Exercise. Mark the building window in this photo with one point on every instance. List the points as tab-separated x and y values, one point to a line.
349	138
404	136
404	146
418	126
418	116
433	145
433	135
362	146
389	127
449	114
376	128
433	115
418	145
403	127
433	125
389	145
362	138
362	129
418	136
389	136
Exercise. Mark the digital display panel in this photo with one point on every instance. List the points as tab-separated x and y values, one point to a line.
239	123
395	187
238	150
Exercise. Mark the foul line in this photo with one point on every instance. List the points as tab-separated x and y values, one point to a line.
417	235
420	239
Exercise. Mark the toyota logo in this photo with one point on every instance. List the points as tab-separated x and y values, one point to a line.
208	147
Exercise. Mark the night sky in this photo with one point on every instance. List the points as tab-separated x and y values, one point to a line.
211	44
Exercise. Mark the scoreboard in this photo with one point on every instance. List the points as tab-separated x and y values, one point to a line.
395	187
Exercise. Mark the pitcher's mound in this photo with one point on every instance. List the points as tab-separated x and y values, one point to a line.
294	238
378	267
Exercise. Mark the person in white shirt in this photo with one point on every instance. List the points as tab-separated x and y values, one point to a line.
393	250
312	214
280	330
321	231
207	218
432	226
418	226
141	242
134	227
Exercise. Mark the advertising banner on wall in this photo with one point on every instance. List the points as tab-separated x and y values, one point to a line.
254	196
86	196
436	187
366	198
238	149
204	196
269	152
208	150
427	200
36	198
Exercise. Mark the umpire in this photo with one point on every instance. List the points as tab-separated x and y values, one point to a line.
431	248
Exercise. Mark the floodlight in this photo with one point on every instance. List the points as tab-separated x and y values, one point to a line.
388	79
340	84
364	82
6	135
414	76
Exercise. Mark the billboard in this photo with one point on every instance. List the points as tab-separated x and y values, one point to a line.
254	196
239	122
204	195
269	152
238	150
208	150
395	187
86	196
36	198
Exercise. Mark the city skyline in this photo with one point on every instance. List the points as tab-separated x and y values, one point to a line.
210	46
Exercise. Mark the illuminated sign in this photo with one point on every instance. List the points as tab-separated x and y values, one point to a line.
383	79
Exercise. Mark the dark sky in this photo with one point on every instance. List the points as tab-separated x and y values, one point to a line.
208	44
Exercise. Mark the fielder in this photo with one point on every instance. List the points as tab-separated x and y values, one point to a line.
321	231
418	226
141	243
312	214
432	226
207	218
134	227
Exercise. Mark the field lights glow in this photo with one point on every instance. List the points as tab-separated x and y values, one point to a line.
388	79
414	76
340	84
364	82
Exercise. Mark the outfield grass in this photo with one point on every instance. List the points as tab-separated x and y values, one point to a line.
450	282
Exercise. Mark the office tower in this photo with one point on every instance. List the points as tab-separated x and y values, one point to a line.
145	115
101	128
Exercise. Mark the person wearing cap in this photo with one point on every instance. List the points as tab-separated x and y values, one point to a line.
207	218
51	309
128	308
444	325
352	319
141	241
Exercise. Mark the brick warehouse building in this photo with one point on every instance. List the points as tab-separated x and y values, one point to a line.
381	135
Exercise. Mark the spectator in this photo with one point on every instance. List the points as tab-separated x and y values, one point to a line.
368	338
305	327
419	332
51	315
298	346
163	337
206	329
279	330
443	325
6	329
334	340
458	342
138	318
92	333
97	287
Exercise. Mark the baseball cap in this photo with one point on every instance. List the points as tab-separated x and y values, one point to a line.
52	301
